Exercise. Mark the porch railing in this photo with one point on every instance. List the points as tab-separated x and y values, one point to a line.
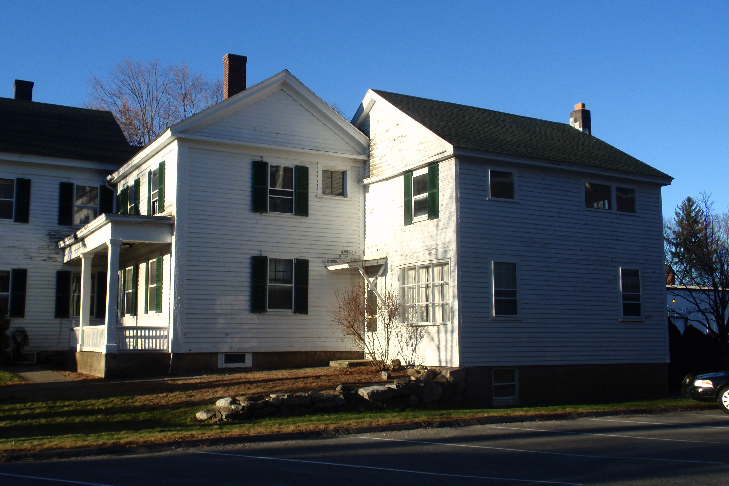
142	338
128	338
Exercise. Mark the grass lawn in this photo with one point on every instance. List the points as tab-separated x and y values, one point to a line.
7	378
164	412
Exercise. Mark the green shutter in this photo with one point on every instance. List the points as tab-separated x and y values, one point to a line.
137	189
124	201
135	288
65	204
149	195
408	202
301	286
158	284
101	294
301	190
146	287
22	201
161	190
63	294
259	284
260	187
18	286
433	191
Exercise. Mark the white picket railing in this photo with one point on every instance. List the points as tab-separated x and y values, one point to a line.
128	338
142	338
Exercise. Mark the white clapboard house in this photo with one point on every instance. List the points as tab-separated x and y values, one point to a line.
529	251
54	161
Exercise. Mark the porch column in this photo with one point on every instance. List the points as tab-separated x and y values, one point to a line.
85	297
112	294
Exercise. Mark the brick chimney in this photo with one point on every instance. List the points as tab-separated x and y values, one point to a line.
23	90
580	118
234	74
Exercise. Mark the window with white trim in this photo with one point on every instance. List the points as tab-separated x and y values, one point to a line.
154	192
86	204
7	196
625	199
425	293
630	292
76	294
129	292
505	384
598	196
334	183
501	184
281	189
280	284
152	285
420	194
505	289
4	292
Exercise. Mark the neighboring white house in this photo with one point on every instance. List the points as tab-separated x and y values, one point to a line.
226	222
530	251
690	306
53	166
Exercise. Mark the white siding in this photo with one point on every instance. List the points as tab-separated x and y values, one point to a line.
397	142
222	234
34	246
568	260
139	258
279	120
421	242
169	156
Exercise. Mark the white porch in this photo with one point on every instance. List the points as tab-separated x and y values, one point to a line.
108	237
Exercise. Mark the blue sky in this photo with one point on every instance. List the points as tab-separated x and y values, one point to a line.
653	74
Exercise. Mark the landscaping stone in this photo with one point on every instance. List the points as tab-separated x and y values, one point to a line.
430	392
205	414
454	375
225	402
428	374
413	372
412	401
385	375
402	380
376	392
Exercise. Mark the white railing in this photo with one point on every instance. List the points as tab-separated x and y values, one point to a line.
94	338
142	338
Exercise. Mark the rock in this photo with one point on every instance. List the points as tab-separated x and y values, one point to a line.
339	401
267	410
300	401
282	395
250	398
275	401
385	375
413	372
428	374
460	387
441	379
225	402
409	388
206	414
376	392
252	405
414	378
327	404
430	392
412	401
321	397
454	375
237	407
344	388
402	380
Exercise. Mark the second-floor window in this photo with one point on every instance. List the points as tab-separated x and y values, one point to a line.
4	292
610	198
281	189
154	192
15	200
7	197
333	182
86	204
421	200
501	184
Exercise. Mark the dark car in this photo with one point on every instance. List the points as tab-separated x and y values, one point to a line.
711	387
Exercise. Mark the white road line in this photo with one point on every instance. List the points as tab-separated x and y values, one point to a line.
608	435
408	471
541	452
659	423
52	479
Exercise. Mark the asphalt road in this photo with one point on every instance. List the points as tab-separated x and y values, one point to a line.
690	448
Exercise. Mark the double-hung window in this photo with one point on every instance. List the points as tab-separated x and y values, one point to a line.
128	285
86	204
13	286
279	284
280	189
4	292
421	194
630	292
501	184
153	280
334	183
425	293
156	190
15	200
76	294
505	289
505	385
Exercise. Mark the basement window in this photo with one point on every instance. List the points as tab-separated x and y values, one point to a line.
235	360
505	385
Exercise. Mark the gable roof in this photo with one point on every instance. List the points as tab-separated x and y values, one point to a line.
29	127
472	128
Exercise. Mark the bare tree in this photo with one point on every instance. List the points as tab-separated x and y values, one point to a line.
146	98
697	259
376	329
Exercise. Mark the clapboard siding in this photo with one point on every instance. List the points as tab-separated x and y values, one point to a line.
421	242
397	142
34	246
280	120
169	156
568	260
222	234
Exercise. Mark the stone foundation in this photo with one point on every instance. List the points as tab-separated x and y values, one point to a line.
573	384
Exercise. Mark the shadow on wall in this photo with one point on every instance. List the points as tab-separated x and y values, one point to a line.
691	352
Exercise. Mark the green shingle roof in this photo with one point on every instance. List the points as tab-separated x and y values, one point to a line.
472	128
29	127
